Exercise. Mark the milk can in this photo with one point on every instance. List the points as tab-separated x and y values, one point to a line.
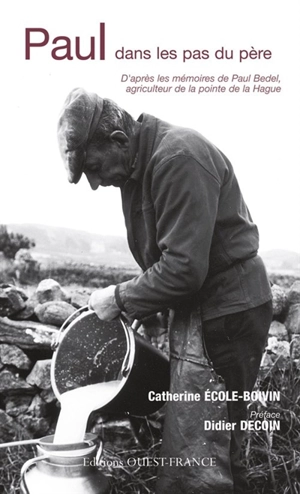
64	469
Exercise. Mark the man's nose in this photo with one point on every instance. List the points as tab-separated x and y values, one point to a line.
93	180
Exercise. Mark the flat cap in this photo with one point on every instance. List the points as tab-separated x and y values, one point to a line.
77	123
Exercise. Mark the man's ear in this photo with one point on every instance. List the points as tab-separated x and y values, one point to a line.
120	137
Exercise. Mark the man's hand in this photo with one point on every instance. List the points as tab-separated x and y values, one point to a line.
103	302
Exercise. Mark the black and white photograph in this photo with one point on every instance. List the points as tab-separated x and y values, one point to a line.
150	248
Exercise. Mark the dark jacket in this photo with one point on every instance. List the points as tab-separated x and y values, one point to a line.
188	228
190	231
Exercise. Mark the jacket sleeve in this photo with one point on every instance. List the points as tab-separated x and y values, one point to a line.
185	198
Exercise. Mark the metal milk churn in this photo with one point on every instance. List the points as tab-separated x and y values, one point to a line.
64	469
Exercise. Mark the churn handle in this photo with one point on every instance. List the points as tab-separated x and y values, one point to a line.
23	442
26	466
99	453
74	314
134	327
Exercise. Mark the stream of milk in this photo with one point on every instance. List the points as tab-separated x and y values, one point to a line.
76	407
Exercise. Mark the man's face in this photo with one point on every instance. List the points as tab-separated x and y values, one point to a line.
106	165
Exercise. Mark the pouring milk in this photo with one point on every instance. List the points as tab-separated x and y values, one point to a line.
76	407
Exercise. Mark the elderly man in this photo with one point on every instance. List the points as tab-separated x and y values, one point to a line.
191	232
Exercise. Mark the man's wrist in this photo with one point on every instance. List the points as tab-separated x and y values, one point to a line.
118	299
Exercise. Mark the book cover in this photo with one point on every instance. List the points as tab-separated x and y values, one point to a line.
230	71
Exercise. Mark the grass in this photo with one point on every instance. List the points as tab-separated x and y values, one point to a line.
272	459
11	461
127	471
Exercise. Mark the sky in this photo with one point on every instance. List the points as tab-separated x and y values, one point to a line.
258	132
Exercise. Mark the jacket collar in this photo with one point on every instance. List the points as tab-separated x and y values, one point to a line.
146	142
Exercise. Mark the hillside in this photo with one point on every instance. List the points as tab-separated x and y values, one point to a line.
282	261
74	245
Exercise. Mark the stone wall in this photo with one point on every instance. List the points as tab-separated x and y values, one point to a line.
284	334
29	324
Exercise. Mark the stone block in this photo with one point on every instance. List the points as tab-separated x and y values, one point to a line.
279	299
295	347
292	321
13	355
10	430
54	313
16	405
50	290
11	301
12	383
40	374
278	330
293	295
